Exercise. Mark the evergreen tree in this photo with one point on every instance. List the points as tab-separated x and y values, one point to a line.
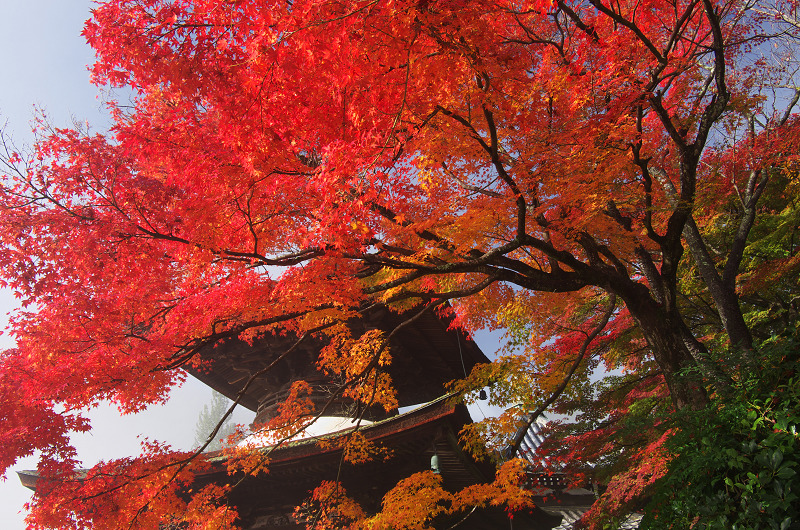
208	419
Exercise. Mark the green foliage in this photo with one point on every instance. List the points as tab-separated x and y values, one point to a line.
737	463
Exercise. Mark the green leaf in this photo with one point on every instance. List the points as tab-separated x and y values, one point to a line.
777	458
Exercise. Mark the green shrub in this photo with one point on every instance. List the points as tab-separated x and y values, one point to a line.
737	463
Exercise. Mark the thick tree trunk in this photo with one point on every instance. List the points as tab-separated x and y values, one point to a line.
666	334
722	290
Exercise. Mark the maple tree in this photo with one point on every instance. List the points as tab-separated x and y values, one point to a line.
612	183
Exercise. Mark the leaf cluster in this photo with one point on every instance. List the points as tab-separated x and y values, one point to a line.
736	464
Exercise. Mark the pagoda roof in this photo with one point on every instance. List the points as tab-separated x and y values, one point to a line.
297	467
268	500
425	357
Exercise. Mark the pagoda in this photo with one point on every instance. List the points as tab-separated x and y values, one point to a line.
426	355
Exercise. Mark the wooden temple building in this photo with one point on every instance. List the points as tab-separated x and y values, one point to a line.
426	355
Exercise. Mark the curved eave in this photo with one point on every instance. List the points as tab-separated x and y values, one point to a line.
426	355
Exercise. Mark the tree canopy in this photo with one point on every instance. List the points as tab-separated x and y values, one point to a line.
612	183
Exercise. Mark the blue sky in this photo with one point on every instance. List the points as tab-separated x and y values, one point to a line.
44	64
